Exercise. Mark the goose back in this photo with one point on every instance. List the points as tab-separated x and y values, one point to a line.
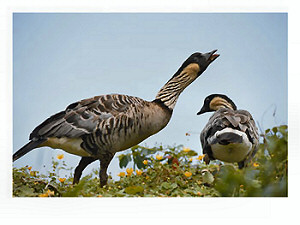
240	120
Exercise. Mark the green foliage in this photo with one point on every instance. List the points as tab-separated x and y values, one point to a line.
170	172
267	176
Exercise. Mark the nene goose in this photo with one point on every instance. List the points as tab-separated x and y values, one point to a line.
230	134
98	127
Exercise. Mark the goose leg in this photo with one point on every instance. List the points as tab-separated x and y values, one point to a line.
241	164
84	162
206	159
104	162
208	154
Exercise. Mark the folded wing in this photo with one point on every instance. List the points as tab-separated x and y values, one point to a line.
84	117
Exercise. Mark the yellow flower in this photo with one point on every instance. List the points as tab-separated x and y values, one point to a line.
145	162
200	157
62	179
43	195
188	174
129	171
158	157
50	192
47	194
190	159
33	173
255	164
60	156
121	174
99	196
186	149
30	167
138	172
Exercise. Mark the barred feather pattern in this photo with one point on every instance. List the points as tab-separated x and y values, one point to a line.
237	119
104	123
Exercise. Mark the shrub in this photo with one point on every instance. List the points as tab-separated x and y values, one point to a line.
170	172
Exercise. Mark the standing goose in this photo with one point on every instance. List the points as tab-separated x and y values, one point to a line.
230	134
98	127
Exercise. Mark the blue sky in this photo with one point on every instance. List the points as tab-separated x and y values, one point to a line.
62	58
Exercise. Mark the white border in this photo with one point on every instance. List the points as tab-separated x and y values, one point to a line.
146	210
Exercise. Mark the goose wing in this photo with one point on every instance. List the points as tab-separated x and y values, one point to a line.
84	117
247	125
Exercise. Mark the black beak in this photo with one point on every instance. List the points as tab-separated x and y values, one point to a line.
202	110
210	56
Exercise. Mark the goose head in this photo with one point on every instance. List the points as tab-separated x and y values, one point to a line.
189	71
197	63
214	102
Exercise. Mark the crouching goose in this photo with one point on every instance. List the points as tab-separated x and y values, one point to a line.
98	127
230	134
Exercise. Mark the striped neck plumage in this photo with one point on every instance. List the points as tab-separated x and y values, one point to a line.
170	92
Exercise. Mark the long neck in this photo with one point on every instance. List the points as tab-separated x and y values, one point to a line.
170	92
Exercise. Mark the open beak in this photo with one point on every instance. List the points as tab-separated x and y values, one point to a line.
210	56
213	56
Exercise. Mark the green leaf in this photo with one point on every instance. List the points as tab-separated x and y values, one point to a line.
192	153
134	147
132	190
124	160
138	160
75	191
147	152
166	185
169	186
274	129
119	194
207	177
180	182
26	191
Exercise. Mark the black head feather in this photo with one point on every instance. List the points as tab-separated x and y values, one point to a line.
202	59
206	105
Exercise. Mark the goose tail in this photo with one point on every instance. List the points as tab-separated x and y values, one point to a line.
27	148
227	136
